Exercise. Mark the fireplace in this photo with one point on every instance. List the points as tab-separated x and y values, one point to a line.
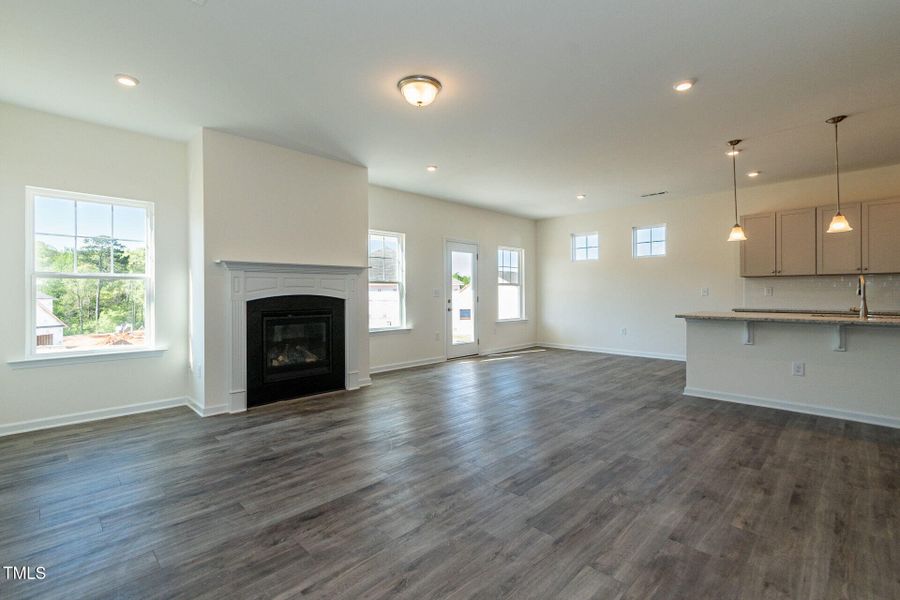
295	347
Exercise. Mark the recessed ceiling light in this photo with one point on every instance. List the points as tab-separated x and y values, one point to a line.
580	196
733	152
128	81
753	174
431	168
684	85
419	90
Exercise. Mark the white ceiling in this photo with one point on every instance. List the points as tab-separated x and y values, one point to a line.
541	100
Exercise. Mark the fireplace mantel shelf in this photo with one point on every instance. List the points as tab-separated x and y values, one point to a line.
245	265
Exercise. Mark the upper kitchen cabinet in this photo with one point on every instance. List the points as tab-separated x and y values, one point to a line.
839	253
881	236
758	251
795	232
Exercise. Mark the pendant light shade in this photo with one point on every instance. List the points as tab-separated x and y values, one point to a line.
737	232
839	223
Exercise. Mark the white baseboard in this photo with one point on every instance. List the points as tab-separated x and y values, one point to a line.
91	415
365	381
206	411
619	351
507	349
408	364
808	409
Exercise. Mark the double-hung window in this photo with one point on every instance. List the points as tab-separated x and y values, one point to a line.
510	299
585	246
386	281
649	241
90	266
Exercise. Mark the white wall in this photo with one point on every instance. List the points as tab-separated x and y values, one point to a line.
426	223
587	304
265	203
44	150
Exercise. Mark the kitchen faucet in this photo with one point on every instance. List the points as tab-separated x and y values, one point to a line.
861	292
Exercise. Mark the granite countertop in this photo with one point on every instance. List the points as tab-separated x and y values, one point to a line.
794	317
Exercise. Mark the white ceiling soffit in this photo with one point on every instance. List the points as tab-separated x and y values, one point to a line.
541	100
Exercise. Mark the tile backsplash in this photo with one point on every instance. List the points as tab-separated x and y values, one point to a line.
825	292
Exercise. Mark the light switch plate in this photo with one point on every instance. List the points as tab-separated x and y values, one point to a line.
704	291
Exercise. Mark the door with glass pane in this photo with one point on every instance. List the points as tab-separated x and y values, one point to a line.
462	299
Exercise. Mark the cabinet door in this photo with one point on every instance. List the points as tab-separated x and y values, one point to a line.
839	253
796	234
758	252
881	236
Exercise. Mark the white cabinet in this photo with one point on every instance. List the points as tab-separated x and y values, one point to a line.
795	232
881	236
758	251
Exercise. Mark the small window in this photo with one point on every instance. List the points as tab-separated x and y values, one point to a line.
585	246
509	284
649	241
386	281
91	272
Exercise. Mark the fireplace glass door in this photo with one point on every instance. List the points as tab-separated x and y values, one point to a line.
295	345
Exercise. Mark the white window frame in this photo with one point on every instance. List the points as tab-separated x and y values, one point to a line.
520	285
32	275
402	278
634	242
587	247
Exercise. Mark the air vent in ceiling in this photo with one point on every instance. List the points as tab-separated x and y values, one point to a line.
653	194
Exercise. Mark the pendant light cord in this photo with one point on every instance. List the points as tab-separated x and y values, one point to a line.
734	180
837	168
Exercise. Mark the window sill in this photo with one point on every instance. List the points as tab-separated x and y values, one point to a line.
522	320
391	330
71	358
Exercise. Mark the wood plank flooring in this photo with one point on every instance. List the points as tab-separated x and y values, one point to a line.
542	474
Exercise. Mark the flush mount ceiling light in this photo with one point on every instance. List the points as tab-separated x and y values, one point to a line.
126	80
431	168
580	196
753	173
684	85
839	223
419	90
737	232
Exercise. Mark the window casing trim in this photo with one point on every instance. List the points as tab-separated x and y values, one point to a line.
402	326
634	242
587	247
521	285
32	275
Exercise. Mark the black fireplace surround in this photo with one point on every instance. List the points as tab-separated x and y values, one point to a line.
295	347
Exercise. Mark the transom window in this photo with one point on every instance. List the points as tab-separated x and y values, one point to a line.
585	246
386	281
649	241
91	272
510	300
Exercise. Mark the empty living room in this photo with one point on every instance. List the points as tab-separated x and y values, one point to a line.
450	300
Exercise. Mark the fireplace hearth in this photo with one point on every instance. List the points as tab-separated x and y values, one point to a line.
295	347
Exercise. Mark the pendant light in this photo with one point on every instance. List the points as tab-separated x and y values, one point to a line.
839	223
737	232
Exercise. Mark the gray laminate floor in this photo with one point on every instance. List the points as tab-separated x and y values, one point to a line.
546	474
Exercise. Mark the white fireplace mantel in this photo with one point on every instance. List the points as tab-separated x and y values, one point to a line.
248	281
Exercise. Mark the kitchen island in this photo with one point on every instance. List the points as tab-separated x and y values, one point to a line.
832	363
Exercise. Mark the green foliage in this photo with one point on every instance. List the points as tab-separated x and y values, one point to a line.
94	305
463	279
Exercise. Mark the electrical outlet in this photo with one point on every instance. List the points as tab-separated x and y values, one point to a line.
623	331
704	291
768	291
436	293
798	369
437	336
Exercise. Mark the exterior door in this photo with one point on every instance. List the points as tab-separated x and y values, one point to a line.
462	299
